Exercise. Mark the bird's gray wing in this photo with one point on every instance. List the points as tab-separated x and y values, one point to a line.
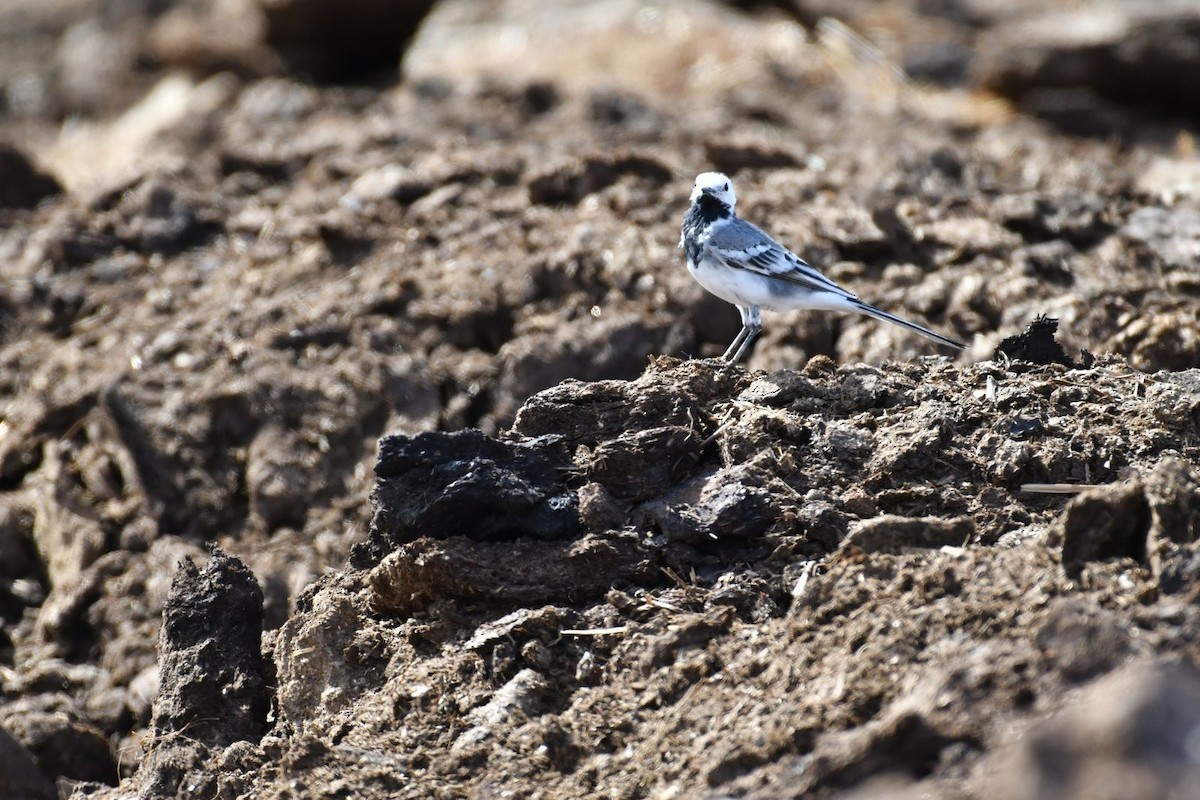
742	245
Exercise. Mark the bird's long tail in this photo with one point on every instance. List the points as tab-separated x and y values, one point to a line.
878	313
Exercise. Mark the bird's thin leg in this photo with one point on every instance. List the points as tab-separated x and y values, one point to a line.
751	335
744	313
737	341
752	321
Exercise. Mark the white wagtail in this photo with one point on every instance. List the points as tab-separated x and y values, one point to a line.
739	263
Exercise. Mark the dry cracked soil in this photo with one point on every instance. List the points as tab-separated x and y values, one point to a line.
362	434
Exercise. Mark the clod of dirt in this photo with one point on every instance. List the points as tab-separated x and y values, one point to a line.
58	734
641	464
541	623
903	741
19	774
734	503
155	218
389	182
326	41
1105	523
892	534
66	534
521	695
1082	640
1064	222
214	684
519	700
1127	53
668	393
1173	544
574	180
525	572
325	656
1129	734
1036	344
1171	235
731	157
1153	520
17	558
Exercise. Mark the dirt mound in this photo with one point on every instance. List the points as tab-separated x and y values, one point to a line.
839	579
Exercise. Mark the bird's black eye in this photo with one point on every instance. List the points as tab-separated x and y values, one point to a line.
726	187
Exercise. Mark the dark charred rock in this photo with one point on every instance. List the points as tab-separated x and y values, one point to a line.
22	185
734	504
1036	344
214	684
1022	428
334	41
466	484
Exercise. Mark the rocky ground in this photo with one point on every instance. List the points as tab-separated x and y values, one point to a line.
363	436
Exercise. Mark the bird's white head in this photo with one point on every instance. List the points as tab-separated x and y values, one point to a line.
716	185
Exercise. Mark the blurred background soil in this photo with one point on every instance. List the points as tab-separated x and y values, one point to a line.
243	240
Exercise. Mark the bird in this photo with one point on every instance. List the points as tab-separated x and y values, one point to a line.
740	263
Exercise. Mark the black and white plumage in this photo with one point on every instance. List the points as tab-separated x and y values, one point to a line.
741	264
